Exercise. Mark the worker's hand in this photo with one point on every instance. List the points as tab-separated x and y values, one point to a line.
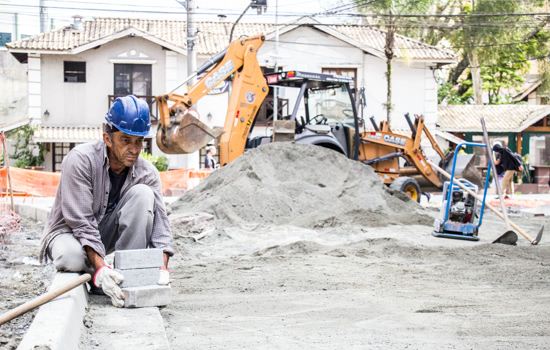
164	277
108	280
520	168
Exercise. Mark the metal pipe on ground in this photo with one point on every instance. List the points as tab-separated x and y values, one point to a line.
42	299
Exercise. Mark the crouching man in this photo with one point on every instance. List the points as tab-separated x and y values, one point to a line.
109	198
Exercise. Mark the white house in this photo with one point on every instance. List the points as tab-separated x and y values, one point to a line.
75	73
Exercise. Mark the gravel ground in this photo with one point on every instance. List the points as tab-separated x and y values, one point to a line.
394	287
21	279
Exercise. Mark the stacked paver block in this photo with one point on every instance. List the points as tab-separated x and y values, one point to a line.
140	269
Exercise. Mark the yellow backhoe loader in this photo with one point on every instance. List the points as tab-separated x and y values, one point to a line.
330	120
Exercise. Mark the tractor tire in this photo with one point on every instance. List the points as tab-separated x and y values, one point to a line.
408	185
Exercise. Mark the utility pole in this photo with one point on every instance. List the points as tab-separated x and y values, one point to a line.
275	89
43	17
191	49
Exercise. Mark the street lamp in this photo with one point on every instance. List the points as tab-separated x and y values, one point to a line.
259	5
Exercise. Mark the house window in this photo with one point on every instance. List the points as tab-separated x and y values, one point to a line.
74	72
4	39
347	72
133	79
59	151
539	150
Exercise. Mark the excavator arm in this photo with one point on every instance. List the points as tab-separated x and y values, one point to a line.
382	148
179	132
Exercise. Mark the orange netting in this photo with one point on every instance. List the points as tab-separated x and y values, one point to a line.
30	182
9	221
175	182
34	183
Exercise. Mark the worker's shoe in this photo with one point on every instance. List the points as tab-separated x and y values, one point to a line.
95	290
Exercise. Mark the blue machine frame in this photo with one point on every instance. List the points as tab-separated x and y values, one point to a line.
467	231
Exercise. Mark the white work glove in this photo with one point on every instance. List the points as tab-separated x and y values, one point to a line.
108	280
164	277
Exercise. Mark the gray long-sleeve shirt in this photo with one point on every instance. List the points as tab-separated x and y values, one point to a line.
82	196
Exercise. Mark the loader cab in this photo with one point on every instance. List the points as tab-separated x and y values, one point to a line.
328	118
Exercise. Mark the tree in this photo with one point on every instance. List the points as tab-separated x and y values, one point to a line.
25	150
391	8
496	49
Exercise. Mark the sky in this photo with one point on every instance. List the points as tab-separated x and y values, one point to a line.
63	10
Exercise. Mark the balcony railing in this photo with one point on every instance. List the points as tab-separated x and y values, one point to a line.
151	102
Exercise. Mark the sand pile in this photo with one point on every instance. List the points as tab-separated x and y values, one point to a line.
302	185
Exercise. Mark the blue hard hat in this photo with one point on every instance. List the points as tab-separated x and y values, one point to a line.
130	115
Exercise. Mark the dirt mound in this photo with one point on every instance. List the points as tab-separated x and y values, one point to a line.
298	184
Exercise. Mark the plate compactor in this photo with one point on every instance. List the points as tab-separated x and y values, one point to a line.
457	216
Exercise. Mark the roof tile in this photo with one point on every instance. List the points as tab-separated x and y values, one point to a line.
213	37
498	118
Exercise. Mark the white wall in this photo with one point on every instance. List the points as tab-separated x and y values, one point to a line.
13	90
86	103
412	92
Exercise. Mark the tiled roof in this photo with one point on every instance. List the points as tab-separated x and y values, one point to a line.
68	134
404	47
213	37
498	118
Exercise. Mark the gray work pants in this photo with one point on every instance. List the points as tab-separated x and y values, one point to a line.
128	226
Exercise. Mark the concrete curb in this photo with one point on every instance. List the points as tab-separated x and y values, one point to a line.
58	324
32	211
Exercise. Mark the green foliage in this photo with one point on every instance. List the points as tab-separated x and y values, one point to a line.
160	162
446	94
502	45
391	7
25	149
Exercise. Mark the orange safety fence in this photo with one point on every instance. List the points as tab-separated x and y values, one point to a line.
29	182
175	182
34	183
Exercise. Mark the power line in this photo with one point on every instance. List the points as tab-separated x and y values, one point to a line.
297	14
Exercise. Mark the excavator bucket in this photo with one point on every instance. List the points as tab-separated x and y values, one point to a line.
465	168
186	136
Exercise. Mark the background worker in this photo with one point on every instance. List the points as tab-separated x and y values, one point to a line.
510	164
500	171
109	198
209	161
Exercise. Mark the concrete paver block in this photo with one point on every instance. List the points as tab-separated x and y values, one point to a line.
138	259
147	296
139	277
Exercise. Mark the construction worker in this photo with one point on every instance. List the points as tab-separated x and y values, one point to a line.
209	162
510	165
109	198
